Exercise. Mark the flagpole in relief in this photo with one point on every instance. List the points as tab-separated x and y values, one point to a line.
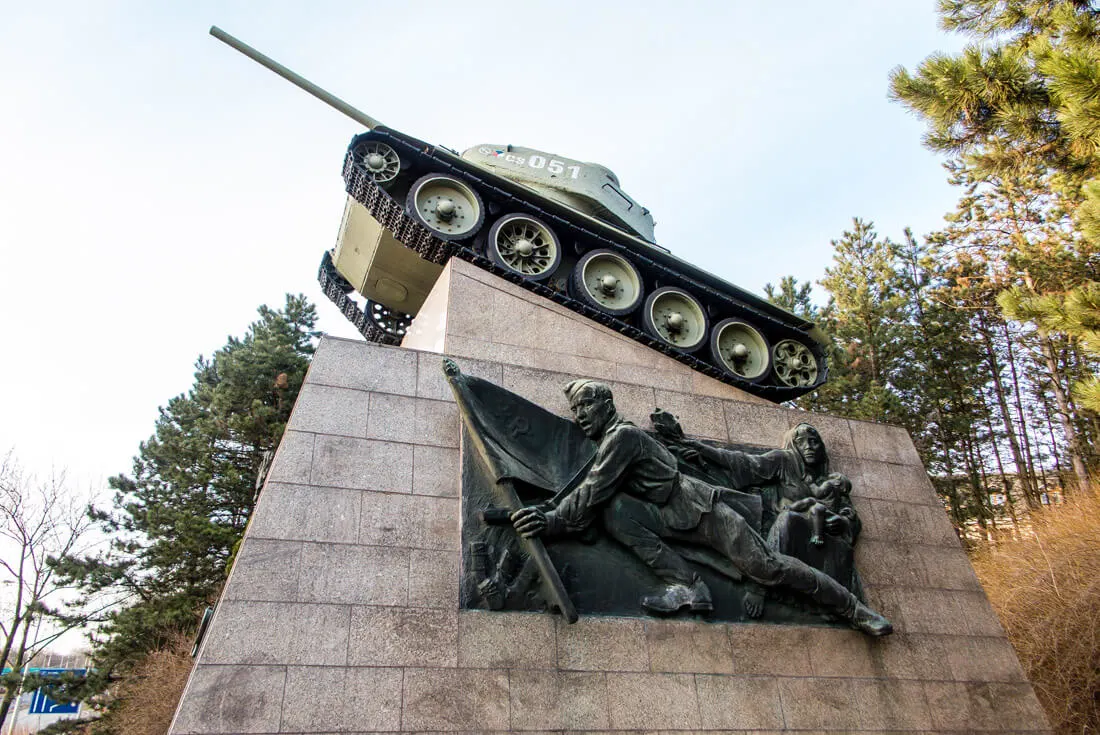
552	587
551	582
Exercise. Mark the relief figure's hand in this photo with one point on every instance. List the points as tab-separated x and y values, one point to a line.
691	450
684	453
800	505
529	521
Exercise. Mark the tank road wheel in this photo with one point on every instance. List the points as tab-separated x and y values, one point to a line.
448	207
607	281
794	364
379	161
524	246
390	321
740	349
675	317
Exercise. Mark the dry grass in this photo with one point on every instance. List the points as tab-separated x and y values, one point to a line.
1046	590
147	699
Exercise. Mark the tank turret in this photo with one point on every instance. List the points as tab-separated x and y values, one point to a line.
562	228
588	187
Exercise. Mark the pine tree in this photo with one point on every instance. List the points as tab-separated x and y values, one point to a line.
891	305
867	316
1019	113
941	372
1075	313
1024	92
178	517
797	298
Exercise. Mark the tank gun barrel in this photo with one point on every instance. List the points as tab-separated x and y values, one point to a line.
296	79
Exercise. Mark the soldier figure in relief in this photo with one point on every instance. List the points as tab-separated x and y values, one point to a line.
644	500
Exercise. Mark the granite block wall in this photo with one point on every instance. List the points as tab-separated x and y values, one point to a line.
471	313
341	611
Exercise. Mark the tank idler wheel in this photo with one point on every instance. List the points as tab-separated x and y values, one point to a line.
740	349
675	317
794	364
607	281
525	246
379	161
390	321
447	206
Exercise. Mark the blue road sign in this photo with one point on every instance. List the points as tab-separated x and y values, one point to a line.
41	704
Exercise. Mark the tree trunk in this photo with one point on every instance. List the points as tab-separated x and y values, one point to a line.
987	503
1006	415
954	506
11	692
1084	425
1064	416
1021	421
13	631
953	500
975	483
1054	450
1004	477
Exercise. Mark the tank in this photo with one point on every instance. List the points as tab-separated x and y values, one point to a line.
561	228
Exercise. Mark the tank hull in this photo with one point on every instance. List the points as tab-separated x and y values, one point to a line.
378	266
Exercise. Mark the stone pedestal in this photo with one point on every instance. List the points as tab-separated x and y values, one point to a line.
341	612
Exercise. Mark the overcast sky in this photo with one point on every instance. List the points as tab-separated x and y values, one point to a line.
156	186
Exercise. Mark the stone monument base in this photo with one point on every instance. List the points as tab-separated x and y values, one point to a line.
341	613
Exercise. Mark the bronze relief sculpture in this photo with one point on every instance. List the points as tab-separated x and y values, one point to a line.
600	516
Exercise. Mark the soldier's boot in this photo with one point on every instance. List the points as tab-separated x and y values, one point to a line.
866	620
676	597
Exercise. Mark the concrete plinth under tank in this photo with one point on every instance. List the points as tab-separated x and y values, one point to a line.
342	613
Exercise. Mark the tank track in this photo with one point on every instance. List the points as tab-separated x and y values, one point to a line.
391	214
336	288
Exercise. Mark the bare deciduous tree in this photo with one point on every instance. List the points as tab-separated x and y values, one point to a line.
40	521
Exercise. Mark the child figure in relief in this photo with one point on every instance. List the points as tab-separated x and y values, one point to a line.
827	500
